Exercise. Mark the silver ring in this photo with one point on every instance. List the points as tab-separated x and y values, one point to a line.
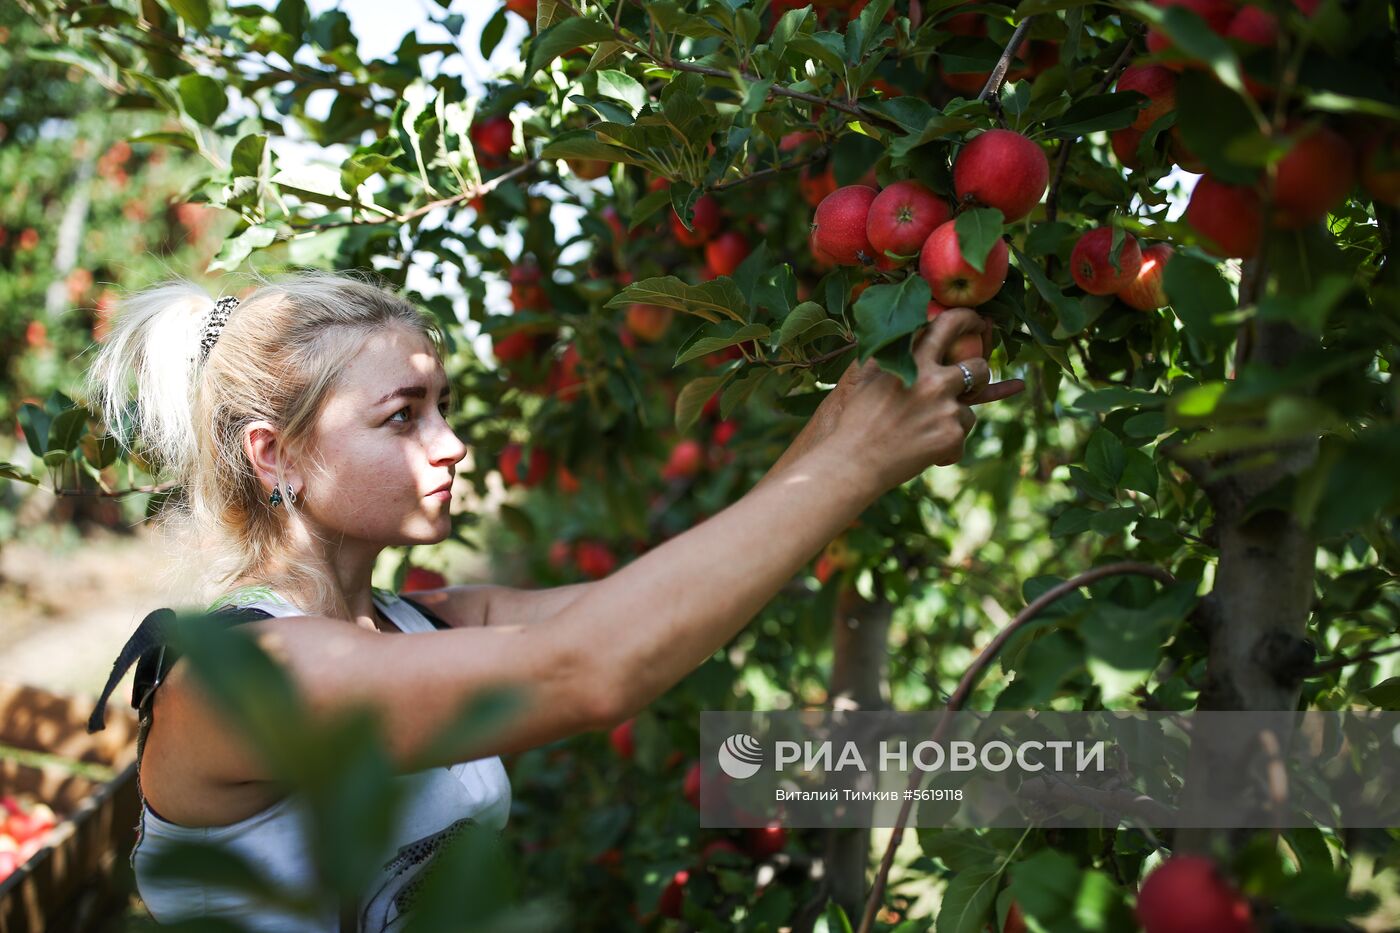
967	378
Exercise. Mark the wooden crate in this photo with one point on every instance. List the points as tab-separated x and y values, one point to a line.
82	875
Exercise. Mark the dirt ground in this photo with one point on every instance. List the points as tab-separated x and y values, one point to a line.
67	606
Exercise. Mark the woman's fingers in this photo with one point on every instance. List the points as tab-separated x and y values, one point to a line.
981	376
994	392
931	347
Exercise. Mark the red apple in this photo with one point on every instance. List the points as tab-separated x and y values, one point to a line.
726	252
816	183
839	225
902	216
1230	217
690	787
1004	170
954	282
525	9
518	345
716	846
509	465
566	481
724	432
526	293
705	220
1380	169
492	139
564	380
1145	291
621	740
595	560
1253	25
685	460
420	579
1187	894
1091	262
964	82
1313	177
561	553
1125	144
1216	13
1157	84
672	901
766	841
648	322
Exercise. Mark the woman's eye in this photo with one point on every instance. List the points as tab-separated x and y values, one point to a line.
444	407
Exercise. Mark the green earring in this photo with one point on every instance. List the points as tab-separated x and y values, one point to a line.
276	498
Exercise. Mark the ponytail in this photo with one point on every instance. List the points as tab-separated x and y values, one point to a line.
153	343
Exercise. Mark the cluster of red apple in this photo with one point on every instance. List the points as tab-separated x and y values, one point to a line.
24	825
724	249
856	225
1313	176
760	842
1188	894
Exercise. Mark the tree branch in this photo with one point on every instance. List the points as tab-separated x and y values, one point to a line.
475	191
772	170
998	75
1339	663
969	680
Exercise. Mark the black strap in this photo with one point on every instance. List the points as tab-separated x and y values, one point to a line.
148	648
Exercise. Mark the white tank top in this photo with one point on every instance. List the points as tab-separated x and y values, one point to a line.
436	804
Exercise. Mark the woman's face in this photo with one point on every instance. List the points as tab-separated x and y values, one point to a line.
385	445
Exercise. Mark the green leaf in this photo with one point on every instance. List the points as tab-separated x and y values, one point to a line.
1198	293
1193	36
35	422
1093	114
1072	521
194	12
884	313
585	144
14	472
1104	457
718	341
247	156
1216	125
648	206
67	429
492	33
967	901
238	248
803	317
978	231
692	399
556	40
203	97
622	86
713	300
182	140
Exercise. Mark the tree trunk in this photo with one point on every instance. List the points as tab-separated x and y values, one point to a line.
1259	607
859	672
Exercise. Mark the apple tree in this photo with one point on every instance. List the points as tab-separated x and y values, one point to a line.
675	224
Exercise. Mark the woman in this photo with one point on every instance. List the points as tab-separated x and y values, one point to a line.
307	426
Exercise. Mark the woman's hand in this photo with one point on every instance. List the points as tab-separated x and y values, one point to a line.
901	431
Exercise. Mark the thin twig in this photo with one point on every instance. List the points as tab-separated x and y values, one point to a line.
475	191
1052	206
998	74
1339	663
114	493
964	690
772	170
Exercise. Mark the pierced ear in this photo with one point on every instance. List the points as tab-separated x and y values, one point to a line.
261	445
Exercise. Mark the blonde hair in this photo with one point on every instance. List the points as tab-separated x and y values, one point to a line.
277	359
